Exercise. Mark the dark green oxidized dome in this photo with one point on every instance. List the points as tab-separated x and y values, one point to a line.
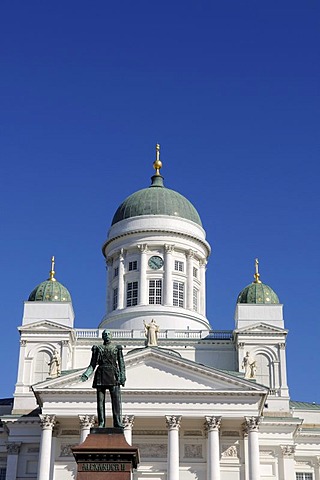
156	200
258	292
50	290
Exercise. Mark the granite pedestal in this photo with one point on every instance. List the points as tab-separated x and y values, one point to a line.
105	455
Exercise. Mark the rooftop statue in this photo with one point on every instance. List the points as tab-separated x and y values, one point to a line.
151	331
110	374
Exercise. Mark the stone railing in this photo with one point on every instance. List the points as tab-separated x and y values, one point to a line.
164	334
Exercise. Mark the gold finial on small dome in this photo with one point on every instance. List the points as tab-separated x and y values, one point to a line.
157	164
257	274
52	272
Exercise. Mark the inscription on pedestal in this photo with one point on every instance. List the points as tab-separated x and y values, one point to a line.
102	467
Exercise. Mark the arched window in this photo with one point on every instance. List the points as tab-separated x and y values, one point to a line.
263	369
41	367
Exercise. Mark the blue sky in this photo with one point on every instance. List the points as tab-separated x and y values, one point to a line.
231	92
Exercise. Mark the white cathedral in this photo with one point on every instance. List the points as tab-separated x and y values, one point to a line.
200	404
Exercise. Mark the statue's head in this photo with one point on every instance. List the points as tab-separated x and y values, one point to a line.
106	336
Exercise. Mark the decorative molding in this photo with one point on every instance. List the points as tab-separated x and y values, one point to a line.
86	421
192	433
169	248
252	423
143	247
13	448
128	421
65	449
193	450
173	421
288	450
230	451
212	423
153	450
47	422
33	450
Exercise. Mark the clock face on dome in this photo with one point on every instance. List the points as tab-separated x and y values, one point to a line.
155	262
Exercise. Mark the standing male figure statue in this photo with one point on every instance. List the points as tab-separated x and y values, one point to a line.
110	374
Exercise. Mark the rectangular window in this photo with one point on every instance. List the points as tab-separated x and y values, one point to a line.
303	476
155	292
178	266
3	472
133	265
132	294
115	299
116	272
195	272
195	299
178	294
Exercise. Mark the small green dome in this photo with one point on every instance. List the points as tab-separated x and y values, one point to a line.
258	293
50	290
156	200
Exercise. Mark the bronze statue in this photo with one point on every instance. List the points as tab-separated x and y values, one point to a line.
110	374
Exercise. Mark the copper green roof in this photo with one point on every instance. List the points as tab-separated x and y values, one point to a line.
50	291
304	405
156	200
258	293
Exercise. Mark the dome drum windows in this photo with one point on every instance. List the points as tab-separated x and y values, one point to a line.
178	266
133	265
178	294
155	292
132	294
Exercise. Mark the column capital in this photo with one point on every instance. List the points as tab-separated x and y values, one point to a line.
203	262
173	422
143	247
23	343
212	423
241	345
191	254
109	261
65	342
47	422
316	461
288	450
121	254
13	448
87	421
251	424
282	346
128	421
169	248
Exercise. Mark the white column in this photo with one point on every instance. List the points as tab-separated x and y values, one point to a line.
109	263
213	447
143	287
13	449
86	422
288	470
64	354
245	454
190	256
252	424
168	268
283	370
22	356
121	280
173	425
47	423
316	465
203	264
127	422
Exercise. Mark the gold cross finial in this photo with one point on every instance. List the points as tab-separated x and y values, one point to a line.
257	274
52	272
157	164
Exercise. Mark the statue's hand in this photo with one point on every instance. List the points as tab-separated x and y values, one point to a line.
122	380
84	377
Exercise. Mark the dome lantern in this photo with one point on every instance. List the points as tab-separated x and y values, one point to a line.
258	292
50	290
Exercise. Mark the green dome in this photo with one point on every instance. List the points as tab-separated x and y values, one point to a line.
156	200
258	293
50	291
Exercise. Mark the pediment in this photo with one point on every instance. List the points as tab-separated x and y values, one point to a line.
153	370
44	326
262	328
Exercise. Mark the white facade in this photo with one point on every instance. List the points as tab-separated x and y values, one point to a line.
191	404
